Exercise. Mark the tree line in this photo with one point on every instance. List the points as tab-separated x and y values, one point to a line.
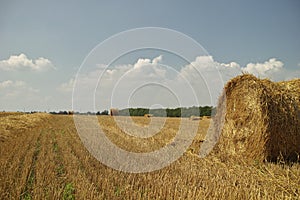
104	112
160	112
169	112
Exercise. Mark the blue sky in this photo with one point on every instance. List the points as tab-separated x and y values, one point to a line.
64	32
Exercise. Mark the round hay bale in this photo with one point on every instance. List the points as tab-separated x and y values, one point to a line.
114	112
258	119
70	112
195	117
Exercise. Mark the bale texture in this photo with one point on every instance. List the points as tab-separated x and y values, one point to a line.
258	119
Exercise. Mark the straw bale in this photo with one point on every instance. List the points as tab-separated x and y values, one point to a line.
259	119
114	112
195	117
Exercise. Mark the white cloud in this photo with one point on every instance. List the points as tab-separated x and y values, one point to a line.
206	64
22	62
263	69
207	77
273	69
231	65
146	68
157	59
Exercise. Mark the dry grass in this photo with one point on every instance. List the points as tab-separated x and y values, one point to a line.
261	119
48	161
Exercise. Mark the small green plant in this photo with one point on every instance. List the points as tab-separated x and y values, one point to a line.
63	132
26	196
55	146
69	192
60	170
118	191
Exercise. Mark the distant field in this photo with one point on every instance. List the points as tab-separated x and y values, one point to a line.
42	157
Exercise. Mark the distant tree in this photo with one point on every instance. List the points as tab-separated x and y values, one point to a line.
90	113
62	113
206	111
136	111
104	112
124	112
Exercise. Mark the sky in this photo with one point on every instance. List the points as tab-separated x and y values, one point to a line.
54	54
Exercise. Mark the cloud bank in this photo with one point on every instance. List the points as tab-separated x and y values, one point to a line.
148	82
145	83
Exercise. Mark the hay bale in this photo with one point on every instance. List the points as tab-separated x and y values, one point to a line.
114	112
70	112
148	115
195	118
259	119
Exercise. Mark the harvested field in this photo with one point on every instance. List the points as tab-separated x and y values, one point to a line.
46	160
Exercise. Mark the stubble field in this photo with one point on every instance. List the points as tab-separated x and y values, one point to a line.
42	157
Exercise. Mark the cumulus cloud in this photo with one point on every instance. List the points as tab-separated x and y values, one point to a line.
205	65
207	77
146	68
272	69
264	69
232	65
22	62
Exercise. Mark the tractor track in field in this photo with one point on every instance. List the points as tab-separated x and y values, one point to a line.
30	178
71	150
15	163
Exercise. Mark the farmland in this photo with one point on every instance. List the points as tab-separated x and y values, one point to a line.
42	157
